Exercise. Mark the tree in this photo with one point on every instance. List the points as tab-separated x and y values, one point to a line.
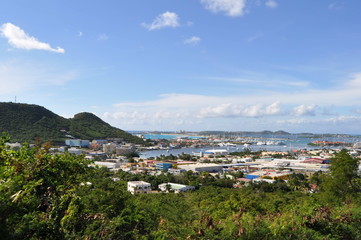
298	181
343	179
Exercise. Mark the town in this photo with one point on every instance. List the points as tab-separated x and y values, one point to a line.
239	165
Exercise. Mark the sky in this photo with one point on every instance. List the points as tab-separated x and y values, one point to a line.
194	65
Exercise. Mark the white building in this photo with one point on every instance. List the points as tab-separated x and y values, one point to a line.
206	167
216	152
177	171
109	148
75	151
14	145
177	188
136	187
109	165
125	149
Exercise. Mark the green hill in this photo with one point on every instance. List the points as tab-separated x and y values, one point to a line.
25	122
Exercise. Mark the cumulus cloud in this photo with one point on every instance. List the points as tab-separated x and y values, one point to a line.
18	38
192	40
254	108
232	8
271	4
273	109
167	19
234	110
305	110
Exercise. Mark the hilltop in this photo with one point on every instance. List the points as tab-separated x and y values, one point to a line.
26	122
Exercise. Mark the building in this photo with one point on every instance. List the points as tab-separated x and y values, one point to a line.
77	143
163	166
177	188
125	149
176	171
136	187
269	174
206	167
109	148
108	164
75	151
216	152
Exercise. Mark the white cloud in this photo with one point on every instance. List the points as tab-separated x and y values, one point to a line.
231	8
256	109
336	6
305	110
273	109
358	110
234	110
295	121
19	77
103	37
255	37
271	4
19	39
344	119
193	40
262	80
167	19
355	81
80	34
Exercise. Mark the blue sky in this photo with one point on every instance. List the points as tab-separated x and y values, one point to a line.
193	65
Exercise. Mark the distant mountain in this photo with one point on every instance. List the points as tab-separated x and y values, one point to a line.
25	122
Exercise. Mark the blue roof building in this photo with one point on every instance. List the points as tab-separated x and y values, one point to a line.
77	143
163	166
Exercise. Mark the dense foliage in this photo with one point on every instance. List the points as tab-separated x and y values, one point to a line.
29	122
44	196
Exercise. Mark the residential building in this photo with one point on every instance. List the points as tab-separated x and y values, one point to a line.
136	187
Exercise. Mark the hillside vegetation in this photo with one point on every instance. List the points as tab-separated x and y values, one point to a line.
44	196
25	123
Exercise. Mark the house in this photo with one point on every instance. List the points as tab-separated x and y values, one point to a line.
177	188
136	187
